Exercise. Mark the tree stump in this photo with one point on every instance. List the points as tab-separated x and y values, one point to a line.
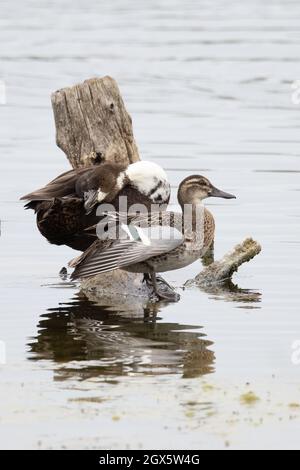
92	124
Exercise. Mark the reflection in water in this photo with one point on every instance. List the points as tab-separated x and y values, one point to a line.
90	340
88	337
227	290
230	292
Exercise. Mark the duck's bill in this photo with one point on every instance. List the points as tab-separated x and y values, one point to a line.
218	193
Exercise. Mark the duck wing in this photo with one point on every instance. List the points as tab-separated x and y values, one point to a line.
136	245
146	219
119	256
81	182
157	225
63	185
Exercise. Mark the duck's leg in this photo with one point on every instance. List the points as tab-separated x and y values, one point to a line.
146	277
154	282
162	289
159	280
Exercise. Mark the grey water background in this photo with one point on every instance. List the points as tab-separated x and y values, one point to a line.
208	85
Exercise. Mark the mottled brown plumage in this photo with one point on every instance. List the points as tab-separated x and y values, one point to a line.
67	205
190	235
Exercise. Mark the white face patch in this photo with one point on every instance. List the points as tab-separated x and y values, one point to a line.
121	180
101	195
147	177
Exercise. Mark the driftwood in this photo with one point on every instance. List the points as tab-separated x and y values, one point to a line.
220	271
215	279
93	126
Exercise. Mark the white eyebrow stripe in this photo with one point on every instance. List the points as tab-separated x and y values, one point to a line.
193	181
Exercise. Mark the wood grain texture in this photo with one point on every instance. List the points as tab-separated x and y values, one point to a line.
92	123
93	126
222	270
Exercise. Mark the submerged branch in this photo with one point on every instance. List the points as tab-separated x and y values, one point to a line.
222	270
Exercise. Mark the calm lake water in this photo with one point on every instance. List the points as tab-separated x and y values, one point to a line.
208	85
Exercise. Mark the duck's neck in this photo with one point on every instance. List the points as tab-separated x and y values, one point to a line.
192	208
193	217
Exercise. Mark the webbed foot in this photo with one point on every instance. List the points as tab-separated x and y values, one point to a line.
162	290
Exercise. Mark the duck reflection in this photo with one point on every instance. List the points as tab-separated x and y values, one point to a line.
88	339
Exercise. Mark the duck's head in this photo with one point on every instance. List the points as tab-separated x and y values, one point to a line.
150	180
195	188
108	179
102	184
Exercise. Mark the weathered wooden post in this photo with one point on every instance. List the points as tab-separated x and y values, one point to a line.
93	126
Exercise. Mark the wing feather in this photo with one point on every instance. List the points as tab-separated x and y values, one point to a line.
122	254
62	185
107	255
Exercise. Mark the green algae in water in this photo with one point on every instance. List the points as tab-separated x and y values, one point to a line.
294	405
249	398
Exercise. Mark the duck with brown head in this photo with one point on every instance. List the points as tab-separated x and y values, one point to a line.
67	205
196	188
183	237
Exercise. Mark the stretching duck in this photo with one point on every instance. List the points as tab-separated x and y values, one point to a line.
67	205
183	237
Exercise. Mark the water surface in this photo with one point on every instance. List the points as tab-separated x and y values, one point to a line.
208	85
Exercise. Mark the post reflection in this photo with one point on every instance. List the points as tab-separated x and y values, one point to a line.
86	339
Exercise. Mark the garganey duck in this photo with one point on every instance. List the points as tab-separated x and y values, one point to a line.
157	242
67	205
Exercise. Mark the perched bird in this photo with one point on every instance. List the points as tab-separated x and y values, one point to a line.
67	205
157	242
